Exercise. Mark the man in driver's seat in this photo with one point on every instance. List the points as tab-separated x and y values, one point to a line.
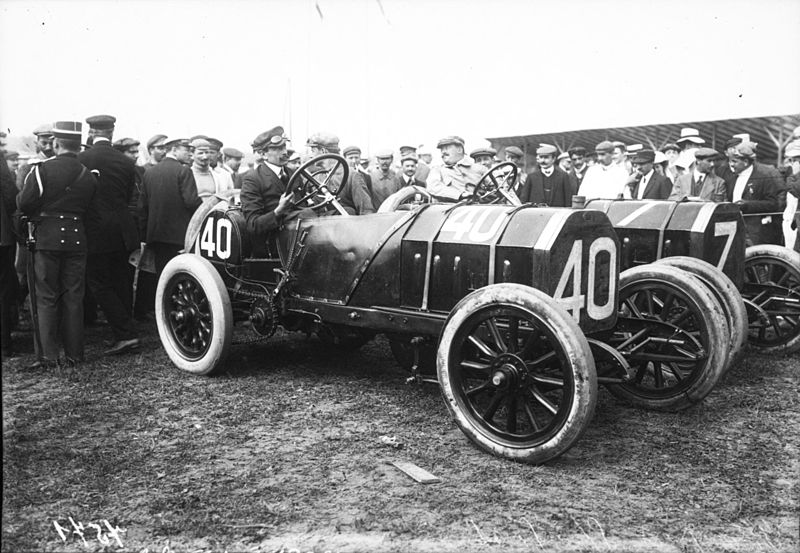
456	179
265	205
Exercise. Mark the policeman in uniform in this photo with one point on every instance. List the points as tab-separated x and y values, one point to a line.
111	232
56	195
456	179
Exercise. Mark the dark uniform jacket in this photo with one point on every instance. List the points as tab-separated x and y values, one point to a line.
110	225
555	190
8	204
59	204
261	191
167	203
658	187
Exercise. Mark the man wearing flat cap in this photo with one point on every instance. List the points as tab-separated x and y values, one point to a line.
605	179
231	162
457	177
156	150
44	150
547	184
265	202
207	180
517	157
564	162
645	182
408	171
483	156
577	156
56	195
111	231
354	196
383	178
757	192
168	201
353	156
701	182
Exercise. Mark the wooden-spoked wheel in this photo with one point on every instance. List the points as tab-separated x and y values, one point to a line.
193	314
772	293
315	188
673	333
516	373
496	185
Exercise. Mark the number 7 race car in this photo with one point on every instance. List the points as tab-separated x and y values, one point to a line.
504	296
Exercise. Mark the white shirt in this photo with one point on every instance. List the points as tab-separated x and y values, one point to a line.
604	181
643	185
549	171
275	168
741	183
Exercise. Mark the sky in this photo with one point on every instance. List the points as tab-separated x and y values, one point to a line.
381	73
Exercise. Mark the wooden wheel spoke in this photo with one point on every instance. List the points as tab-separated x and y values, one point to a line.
513	334
532	417
491	409
477	389
511	414
546	403
495	333
482	346
540	360
668	301
475	365
551	380
658	376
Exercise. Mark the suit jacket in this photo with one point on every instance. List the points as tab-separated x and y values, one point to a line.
533	189
167	203
658	188
761	193
713	189
355	197
110	227
59	199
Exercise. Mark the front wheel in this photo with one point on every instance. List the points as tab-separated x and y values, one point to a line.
516	373
193	314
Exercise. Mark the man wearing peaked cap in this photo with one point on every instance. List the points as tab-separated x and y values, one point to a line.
645	182
701	182
483	156
384	180
353	156
112	232
231	162
756	191
354	196
56	194
44	150
156	150
577	156
266	203
207	180
605	179
408	168
457	177
547	184
516	156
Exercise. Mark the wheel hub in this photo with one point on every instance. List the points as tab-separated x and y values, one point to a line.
508	371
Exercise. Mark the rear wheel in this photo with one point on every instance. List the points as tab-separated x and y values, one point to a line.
672	331
772	291
516	373
727	295
193	314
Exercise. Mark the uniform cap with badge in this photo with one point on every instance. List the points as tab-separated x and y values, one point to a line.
101	122
273	138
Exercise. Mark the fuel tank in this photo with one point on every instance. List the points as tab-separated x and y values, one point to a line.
652	229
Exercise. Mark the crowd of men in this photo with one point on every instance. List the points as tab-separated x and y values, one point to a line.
72	215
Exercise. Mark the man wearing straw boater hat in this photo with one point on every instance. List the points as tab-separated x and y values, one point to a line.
55	196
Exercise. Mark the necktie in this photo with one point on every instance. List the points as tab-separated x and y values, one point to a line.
283	177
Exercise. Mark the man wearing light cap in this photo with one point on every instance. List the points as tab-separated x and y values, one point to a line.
111	231
605	179
456	179
354	196
168	201
408	166
384	179
564	162
483	156
547	184
689	142
701	182
208	181
56	195
231	162
645	182
156	150
756	192
44	150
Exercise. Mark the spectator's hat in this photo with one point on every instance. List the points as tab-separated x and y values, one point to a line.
563	155
216	144
101	122
618	144
199	143
351	150
644	156
577	151
125	143
70	130
514	151
706	153
746	150
792	150
157	140
409	157
12	154
689	134
633	148
173	142
232	152
423	150
273	138
661	157
671	146
44	130
404	149
447	140
384	154
546	150
604	147
324	140
477	152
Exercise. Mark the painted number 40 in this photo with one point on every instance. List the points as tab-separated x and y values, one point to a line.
573	271
215	240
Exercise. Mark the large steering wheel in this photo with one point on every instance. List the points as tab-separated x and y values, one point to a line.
315	188
496	185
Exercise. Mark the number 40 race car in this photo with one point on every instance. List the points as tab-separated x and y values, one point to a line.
517	312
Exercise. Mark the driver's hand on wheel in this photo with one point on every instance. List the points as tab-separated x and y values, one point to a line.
283	205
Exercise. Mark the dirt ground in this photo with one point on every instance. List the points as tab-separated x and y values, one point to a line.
291	448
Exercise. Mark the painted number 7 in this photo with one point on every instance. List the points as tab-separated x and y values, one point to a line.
728	229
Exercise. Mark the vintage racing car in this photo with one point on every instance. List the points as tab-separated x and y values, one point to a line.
504	296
